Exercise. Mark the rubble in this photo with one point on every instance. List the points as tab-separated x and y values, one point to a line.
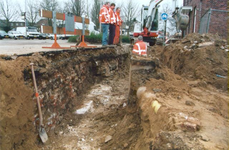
108	138
87	104
200	61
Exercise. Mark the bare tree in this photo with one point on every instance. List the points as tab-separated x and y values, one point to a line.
95	13
67	7
9	12
171	21
87	9
50	5
78	7
130	11
32	12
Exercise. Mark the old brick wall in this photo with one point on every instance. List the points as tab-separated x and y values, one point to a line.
196	5
64	76
214	4
218	21
219	24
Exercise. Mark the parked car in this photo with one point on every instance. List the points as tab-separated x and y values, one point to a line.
51	36
29	32
43	36
3	34
15	35
65	36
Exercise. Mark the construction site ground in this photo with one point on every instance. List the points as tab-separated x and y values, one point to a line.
190	84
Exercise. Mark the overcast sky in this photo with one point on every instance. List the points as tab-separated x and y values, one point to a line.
139	3
118	2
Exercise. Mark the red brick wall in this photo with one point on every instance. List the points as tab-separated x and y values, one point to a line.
218	22
214	4
194	4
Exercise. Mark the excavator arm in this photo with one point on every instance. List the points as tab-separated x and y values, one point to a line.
152	13
181	17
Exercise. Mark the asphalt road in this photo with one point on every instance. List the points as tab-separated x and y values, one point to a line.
23	46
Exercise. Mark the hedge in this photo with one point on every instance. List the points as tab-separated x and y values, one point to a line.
97	38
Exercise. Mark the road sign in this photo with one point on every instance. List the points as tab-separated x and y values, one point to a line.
164	16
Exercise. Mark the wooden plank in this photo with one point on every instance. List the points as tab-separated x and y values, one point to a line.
87	21
60	16
46	13
80	32
49	29
46	29
80	20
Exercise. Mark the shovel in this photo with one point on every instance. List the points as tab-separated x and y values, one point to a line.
130	75
42	133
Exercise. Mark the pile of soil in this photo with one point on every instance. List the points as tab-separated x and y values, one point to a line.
192	94
199	57
16	107
193	112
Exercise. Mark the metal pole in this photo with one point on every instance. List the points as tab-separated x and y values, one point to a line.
25	21
209	19
165	26
175	4
164	33
83	19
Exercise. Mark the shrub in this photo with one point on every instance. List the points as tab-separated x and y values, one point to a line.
73	38
93	38
125	39
97	38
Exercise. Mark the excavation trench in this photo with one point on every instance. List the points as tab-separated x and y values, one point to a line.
83	96
87	103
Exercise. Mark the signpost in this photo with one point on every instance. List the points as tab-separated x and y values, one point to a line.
68	29
164	17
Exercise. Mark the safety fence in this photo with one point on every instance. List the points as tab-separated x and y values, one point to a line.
214	21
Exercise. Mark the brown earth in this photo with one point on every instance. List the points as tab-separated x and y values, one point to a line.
193	113
16	107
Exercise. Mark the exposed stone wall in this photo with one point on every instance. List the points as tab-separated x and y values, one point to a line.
63	77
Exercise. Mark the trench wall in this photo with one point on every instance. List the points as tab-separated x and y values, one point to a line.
64	76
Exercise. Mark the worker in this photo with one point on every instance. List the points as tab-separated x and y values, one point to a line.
140	47
112	24
118	25
104	19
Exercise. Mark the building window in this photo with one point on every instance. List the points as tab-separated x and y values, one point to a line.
16	24
11	24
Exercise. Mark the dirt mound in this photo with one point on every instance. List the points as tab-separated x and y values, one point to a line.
192	110
16	107
187	116
199	57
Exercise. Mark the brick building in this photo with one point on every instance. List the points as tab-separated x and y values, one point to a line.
207	16
10	25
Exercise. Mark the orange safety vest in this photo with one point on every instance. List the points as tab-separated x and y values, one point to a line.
140	48
104	16
118	19
112	16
